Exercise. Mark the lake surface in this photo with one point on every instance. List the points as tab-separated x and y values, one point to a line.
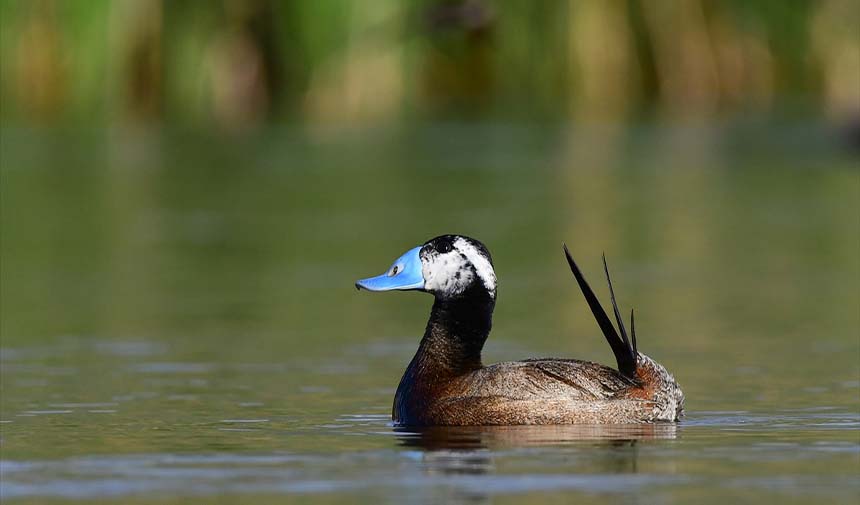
179	322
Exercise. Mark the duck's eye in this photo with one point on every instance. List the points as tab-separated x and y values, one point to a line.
394	271
444	247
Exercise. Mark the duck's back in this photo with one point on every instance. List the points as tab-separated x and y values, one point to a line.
540	391
547	378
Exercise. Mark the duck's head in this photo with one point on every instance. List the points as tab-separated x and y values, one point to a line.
448	266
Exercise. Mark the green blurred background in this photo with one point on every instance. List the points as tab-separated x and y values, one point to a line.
236	64
220	167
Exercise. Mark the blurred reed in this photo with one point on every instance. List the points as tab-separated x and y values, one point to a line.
333	62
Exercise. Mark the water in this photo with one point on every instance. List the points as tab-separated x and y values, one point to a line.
179	323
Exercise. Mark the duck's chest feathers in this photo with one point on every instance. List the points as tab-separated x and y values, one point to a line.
449	351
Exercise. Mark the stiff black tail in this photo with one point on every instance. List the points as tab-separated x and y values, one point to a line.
623	347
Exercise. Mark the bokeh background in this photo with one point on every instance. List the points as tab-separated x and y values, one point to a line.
242	64
188	191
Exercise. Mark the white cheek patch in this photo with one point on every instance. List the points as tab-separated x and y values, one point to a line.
447	274
482	265
452	273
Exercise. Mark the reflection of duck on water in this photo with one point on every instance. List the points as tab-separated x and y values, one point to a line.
596	457
499	437
446	383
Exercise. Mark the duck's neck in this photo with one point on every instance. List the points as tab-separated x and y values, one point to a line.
451	347
455	335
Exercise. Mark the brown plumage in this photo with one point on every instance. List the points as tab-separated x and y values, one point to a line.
446	383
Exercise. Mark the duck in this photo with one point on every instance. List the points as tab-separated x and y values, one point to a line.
447	384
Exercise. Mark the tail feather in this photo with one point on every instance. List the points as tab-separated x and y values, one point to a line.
624	350
633	331
618	318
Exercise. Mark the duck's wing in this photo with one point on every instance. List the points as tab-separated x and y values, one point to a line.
547	379
540	391
623	347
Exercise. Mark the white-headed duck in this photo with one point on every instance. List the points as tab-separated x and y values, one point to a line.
447	384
